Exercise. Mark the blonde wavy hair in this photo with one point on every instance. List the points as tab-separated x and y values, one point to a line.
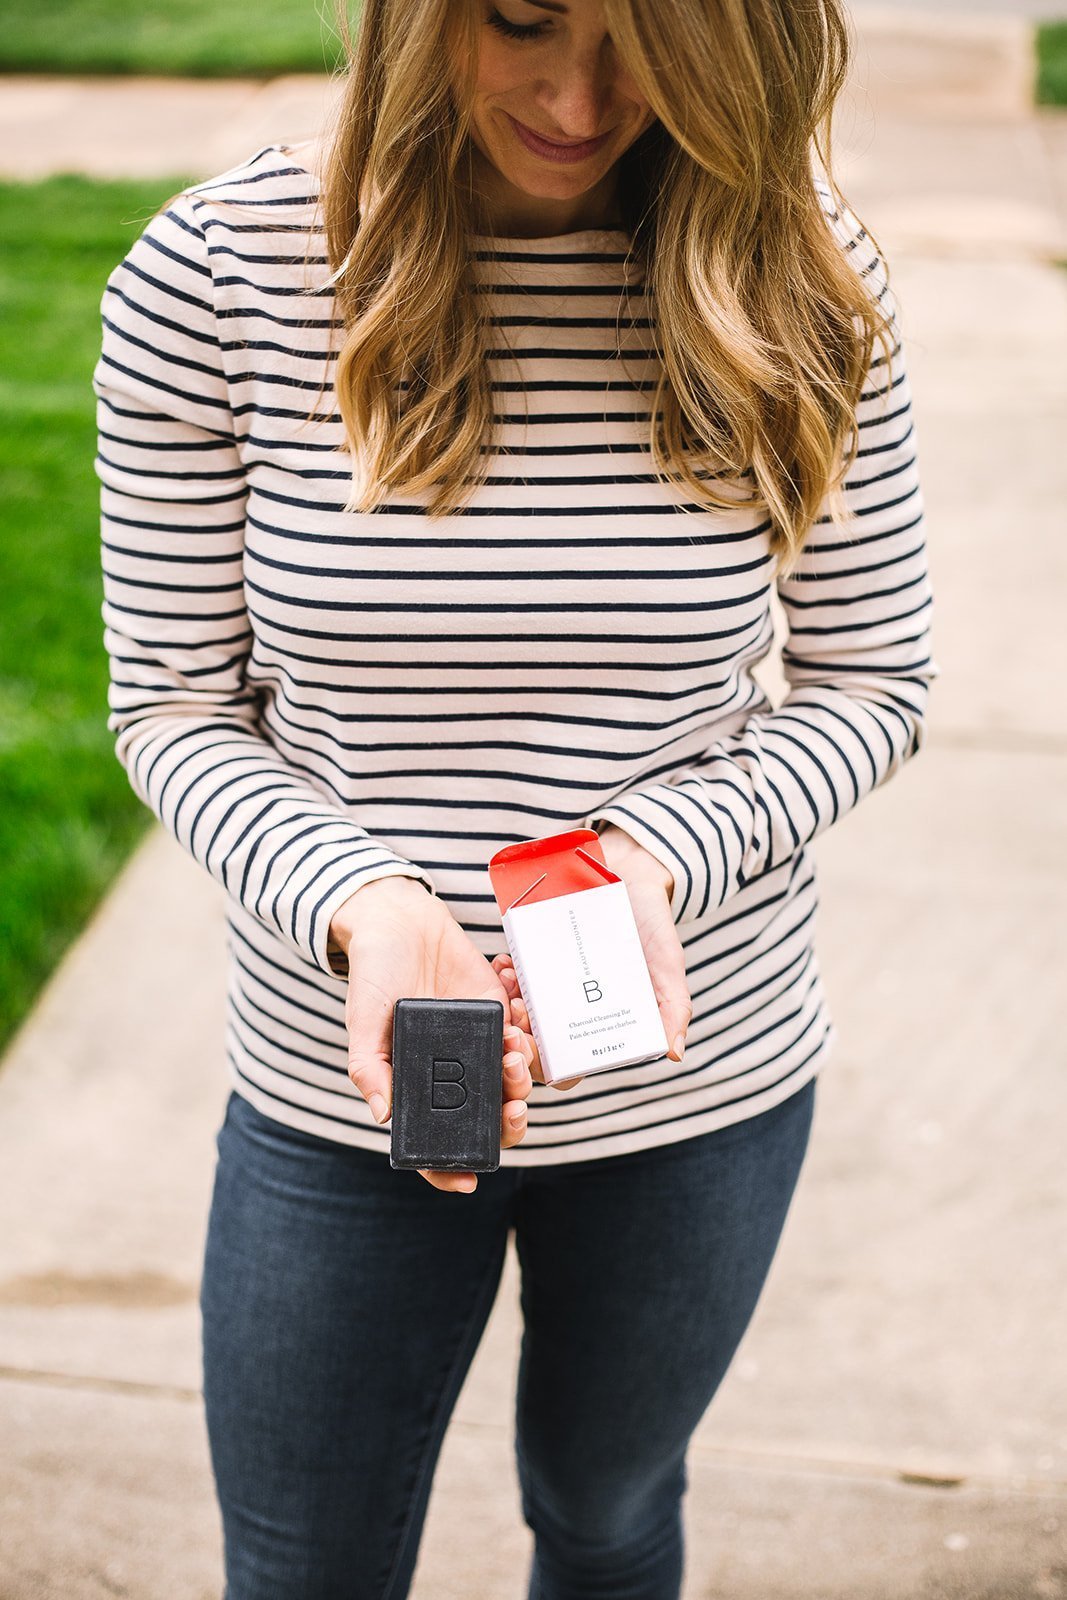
764	328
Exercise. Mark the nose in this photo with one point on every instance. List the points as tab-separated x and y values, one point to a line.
578	95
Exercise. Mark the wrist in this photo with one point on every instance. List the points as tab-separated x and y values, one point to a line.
398	888
624	855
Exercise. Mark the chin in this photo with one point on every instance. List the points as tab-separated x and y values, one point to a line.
552	188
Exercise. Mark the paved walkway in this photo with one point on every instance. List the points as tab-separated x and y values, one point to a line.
895	1424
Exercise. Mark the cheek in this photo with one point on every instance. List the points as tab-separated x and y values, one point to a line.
627	90
500	70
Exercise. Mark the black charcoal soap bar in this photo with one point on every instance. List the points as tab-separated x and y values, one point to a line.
447	1090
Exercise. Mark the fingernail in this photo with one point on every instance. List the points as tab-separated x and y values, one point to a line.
378	1107
517	1119
679	1046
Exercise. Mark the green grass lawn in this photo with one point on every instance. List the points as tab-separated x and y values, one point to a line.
200	37
68	817
1052	63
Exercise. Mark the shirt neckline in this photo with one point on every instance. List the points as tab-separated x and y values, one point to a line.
496	243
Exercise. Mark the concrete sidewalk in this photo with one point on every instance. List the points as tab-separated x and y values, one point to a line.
895	1424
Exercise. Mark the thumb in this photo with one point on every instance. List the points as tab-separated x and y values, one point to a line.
672	996
666	963
369	1015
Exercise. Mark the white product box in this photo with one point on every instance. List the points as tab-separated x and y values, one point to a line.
578	956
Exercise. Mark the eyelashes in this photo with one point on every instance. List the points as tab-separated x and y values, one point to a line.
515	30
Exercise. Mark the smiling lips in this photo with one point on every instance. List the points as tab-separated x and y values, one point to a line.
550	150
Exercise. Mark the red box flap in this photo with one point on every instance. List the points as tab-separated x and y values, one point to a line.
541	869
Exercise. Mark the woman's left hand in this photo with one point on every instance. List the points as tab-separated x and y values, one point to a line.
650	886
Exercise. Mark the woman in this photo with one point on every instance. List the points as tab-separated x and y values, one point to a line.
445	486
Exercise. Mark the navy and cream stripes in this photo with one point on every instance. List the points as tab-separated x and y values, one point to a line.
310	699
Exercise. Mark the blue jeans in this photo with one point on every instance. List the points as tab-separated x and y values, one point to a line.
343	1301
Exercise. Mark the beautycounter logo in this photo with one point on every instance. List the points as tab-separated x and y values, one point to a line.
590	986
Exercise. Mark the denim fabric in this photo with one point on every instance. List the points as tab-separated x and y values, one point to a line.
342	1303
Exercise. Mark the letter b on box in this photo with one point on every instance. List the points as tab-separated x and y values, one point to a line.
447	1093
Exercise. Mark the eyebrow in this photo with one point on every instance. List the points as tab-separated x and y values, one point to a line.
548	5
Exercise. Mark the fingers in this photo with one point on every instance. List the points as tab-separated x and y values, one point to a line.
518	1079
519	1016
513	1130
459	1182
506	972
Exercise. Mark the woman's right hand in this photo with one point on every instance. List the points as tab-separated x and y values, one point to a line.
402	942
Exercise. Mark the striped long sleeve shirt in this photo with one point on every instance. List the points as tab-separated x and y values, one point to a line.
310	699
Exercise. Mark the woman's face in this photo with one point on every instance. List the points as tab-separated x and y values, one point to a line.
554	107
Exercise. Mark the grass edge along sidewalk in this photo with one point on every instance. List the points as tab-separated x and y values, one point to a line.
69	819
